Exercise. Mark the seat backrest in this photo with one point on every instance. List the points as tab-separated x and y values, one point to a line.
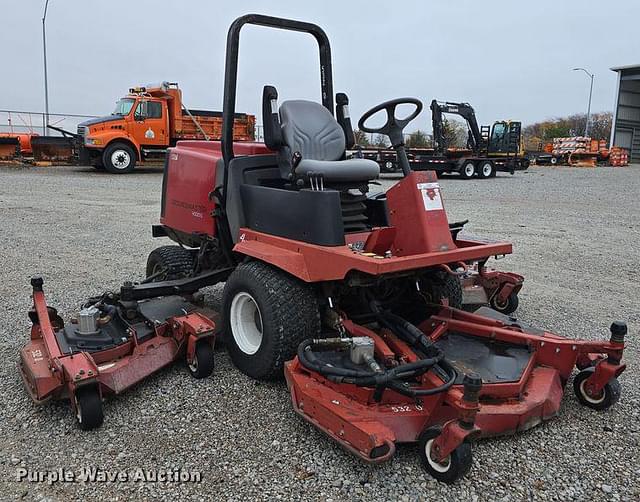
310	129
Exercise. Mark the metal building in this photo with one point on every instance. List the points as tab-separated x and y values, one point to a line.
625	131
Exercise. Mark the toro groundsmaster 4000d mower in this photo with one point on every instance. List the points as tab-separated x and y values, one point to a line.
354	295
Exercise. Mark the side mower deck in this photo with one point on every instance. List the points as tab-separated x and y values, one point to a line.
111	347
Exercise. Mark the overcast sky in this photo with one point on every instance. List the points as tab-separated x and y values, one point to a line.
509	59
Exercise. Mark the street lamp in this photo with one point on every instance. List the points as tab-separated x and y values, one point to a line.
44	50
586	127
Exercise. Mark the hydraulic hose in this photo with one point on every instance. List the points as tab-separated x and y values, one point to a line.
394	378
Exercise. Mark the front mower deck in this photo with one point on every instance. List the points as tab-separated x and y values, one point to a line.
523	372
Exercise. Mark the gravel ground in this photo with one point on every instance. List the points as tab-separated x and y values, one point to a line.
575	236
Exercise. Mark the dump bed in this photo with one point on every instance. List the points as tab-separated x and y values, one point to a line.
211	123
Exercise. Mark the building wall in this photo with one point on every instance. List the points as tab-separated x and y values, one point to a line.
626	132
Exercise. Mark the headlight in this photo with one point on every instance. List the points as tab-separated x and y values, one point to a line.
92	141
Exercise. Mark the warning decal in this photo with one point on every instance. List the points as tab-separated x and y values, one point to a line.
431	196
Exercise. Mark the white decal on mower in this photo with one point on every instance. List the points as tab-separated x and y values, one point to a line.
37	355
431	196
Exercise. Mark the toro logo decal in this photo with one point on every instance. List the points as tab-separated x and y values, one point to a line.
431	197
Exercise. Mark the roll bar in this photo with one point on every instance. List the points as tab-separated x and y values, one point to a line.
231	70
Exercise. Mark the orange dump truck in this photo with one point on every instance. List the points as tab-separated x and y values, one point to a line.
145	123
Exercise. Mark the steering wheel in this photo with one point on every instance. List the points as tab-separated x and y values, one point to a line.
394	126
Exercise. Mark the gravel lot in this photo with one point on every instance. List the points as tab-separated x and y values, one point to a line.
576	239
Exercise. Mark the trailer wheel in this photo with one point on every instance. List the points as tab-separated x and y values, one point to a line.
88	407
167	263
486	169
468	170
119	158
553	161
202	364
455	466
609	395
267	314
508	306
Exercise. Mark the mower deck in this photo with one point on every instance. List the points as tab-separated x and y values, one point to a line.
523	372
125	343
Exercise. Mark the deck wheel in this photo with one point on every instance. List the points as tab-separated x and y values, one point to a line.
455	466
202	364
88	407
608	396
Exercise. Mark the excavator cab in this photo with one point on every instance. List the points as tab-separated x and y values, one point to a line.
505	138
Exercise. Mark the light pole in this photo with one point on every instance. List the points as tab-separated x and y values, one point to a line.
46	87
586	128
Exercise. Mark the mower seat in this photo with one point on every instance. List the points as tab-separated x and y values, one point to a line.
308	131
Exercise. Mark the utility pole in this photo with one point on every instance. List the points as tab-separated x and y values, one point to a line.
586	128
46	85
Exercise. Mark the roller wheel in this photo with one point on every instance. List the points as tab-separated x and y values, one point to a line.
88	407
119	158
609	395
202	364
167	263
507	307
468	170
267	314
455	466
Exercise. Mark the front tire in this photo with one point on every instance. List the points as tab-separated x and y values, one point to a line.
119	158
455	466
267	314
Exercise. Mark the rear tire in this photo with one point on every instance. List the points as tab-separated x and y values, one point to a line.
267	314
447	287
88	407
468	170
119	158
175	260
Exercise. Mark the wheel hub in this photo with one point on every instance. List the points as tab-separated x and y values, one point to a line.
246	323
120	159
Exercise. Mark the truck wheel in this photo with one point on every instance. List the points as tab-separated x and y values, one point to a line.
486	169
267	314
553	161
468	170
167	263
119	158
